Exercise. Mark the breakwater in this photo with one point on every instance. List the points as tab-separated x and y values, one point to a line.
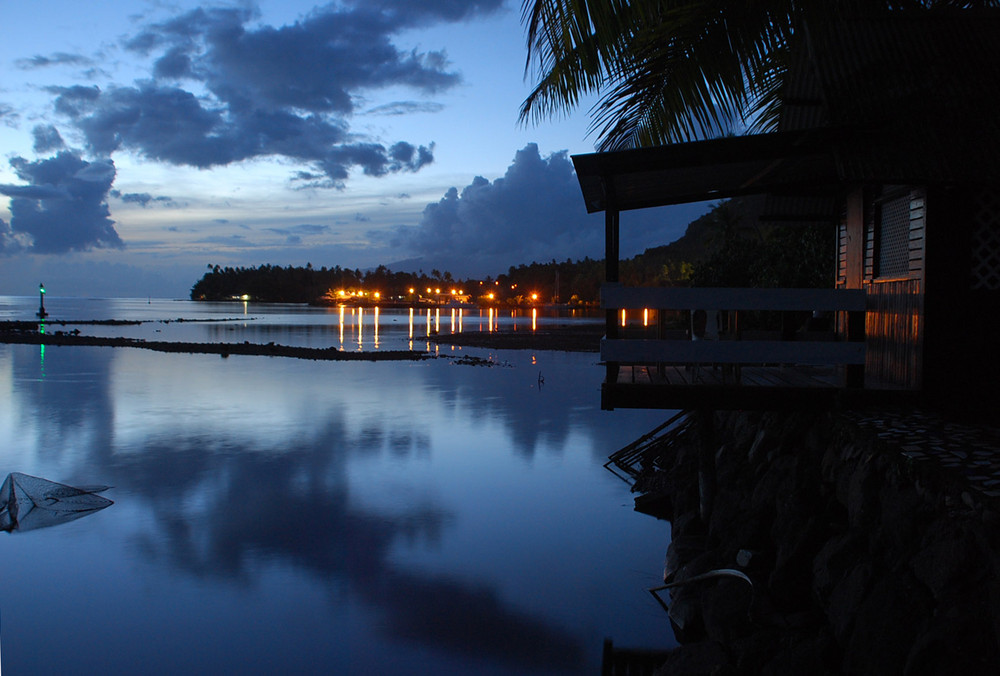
862	559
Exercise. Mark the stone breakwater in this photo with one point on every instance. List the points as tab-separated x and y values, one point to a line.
31	336
862	560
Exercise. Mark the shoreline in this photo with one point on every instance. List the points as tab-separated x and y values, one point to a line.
560	338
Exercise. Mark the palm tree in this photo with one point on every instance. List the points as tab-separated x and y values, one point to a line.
675	70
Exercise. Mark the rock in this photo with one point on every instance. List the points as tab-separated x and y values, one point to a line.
949	558
696	659
862	494
846	598
902	519
956	640
815	656
839	555
888	623
726	609
753	456
797	539
685	616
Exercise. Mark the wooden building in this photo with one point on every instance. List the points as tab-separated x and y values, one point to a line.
890	138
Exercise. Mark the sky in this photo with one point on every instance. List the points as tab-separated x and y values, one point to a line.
144	141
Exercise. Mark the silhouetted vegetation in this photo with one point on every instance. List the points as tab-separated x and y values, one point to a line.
725	247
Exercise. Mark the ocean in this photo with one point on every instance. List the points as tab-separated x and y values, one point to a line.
278	515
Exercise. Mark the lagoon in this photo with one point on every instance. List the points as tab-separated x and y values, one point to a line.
318	517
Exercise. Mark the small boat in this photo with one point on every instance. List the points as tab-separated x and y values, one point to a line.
29	502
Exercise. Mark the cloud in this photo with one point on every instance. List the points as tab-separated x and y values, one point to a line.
225	240
405	108
8	115
300	230
57	59
143	199
224	89
414	14
47	138
63	207
534	213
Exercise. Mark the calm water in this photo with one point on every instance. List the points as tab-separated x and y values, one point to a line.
287	516
351	329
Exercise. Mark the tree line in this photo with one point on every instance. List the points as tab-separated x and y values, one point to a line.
724	247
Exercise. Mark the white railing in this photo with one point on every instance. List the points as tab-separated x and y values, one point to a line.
802	350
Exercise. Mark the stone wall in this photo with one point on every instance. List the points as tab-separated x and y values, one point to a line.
862	561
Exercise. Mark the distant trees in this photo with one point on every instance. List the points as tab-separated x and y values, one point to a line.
275	284
725	247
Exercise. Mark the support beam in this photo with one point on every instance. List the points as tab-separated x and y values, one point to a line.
611	269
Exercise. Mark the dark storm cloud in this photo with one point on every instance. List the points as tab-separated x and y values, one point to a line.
534	213
429	11
9	242
63	206
47	139
72	101
272	91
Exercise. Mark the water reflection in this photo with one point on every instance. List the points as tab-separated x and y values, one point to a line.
344	327
418	495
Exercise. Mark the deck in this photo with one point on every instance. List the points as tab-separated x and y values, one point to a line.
732	365
722	386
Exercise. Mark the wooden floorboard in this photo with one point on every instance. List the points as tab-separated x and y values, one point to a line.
748	376
676	386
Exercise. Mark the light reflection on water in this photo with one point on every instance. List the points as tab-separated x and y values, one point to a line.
316	517
347	328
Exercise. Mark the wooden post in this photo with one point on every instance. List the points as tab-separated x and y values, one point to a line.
854	276
855	224
611	270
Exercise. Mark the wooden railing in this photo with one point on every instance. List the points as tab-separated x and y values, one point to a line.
736	348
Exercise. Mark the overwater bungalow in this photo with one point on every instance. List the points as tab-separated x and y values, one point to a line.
889	138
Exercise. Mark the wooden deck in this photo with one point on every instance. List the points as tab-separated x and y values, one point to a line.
729	375
678	386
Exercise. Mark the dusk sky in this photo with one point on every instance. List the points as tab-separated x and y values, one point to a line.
143	141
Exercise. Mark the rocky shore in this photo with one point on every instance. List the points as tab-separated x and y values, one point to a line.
27	333
861	560
565	338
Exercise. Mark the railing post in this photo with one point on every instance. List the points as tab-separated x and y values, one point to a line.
856	333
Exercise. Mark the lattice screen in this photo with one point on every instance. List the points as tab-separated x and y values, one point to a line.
986	241
894	238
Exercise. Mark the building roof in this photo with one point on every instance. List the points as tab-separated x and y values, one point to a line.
903	100
793	162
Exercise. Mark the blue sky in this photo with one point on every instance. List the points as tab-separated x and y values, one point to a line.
143	141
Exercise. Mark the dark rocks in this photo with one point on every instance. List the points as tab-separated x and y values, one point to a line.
861	561
889	621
